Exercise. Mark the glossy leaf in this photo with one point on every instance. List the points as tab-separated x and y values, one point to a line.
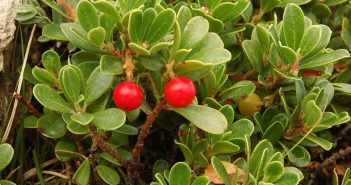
51	61
109	119
71	83
310	39
225	147
44	76
52	126
97	35
195	30
161	25
220	170
325	58
66	145
293	25
6	155
205	118
87	15
273	171
107	174
54	32
193	69
228	11
50	99
82	175
98	83
111	65
180	174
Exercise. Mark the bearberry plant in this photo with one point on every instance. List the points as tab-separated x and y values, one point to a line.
188	92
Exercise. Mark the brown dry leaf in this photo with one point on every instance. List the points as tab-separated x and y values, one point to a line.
231	170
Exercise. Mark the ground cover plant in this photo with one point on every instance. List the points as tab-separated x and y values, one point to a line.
181	92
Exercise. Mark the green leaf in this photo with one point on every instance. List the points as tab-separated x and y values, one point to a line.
180	174
205	118
49	98
274	132
97	84
187	153
288	178
108	8
54	32
77	128
241	128
111	65
310	39
153	62
44	76
77	37
135	20
109	119
227	11
273	171
253	52
312	114
160	166
261	154
325	59
82	118
52	126
293	25
65	145
138	49
149	16
220	170
325	144
159	46
298	2
325	34
6	155
238	91
134	4
127	130
6	182
87	15
109	175
195	70
195	30
201	180
71	82
161	25
97	35
228	112
346	32
224	147
30	122
299	155
212	56
82	175
268	5
51	61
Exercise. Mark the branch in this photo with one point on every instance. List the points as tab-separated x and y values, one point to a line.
338	155
103	145
29	106
133	166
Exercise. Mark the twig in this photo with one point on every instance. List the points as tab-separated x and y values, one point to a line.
92	160
19	87
152	84
29	106
103	145
133	166
339	155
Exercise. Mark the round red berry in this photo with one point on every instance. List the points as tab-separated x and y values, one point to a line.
128	96
180	92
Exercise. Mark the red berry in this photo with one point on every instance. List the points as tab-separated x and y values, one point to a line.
180	92
128	96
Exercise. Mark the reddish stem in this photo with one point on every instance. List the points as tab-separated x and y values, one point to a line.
133	166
